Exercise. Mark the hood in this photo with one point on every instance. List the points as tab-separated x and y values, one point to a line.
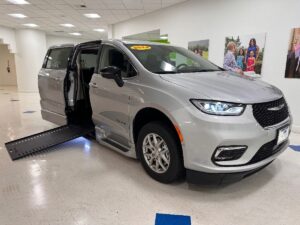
225	86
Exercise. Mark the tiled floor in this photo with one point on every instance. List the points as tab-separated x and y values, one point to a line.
83	183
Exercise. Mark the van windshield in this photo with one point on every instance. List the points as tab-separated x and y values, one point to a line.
165	59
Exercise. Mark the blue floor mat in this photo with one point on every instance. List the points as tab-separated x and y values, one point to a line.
167	219
295	147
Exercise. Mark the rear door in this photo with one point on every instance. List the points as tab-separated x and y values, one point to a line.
83	64
51	84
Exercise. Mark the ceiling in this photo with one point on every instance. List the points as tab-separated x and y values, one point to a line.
49	14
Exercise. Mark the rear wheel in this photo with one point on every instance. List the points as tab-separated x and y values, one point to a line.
160	152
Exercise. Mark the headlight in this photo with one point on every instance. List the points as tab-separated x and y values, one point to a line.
219	108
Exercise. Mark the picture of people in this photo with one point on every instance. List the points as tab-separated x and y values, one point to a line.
292	69
244	54
199	47
240	58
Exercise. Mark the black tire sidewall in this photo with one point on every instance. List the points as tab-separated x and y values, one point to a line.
175	170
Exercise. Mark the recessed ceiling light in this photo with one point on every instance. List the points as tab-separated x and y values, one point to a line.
67	25
76	34
92	15
18	2
30	25
17	15
99	30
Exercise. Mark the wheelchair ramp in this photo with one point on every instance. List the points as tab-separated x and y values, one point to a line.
35	143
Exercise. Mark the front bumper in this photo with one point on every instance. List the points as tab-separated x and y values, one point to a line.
204	133
196	177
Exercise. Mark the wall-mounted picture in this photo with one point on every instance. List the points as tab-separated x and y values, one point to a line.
244	53
199	47
292	69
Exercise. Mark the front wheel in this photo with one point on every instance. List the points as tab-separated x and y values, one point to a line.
160	152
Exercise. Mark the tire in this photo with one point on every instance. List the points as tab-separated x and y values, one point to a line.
168	151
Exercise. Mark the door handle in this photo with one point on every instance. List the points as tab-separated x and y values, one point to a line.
94	85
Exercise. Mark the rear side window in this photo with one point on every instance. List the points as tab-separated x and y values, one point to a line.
58	58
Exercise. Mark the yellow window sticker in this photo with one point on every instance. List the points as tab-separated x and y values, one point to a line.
141	47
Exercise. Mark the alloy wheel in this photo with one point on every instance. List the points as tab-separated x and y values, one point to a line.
156	153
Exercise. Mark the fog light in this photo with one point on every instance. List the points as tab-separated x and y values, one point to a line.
227	153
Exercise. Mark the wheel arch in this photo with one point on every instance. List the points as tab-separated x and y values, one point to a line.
148	114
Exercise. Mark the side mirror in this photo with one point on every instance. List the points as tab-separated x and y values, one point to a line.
113	72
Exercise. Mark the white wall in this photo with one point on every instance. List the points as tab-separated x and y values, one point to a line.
30	46
216	19
7	36
56	40
7	78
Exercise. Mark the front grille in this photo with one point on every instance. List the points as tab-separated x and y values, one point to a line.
266	151
270	113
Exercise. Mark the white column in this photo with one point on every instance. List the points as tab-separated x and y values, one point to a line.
110	31
31	50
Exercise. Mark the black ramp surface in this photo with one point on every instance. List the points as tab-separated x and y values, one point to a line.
34	143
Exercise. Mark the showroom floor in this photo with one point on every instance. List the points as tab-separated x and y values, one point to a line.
83	183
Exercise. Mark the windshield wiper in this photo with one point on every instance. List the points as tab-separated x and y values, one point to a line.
196	70
165	72
185	71
208	70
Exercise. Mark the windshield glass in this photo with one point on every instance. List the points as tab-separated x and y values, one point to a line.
169	59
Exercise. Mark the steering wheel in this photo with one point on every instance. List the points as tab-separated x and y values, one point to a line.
180	66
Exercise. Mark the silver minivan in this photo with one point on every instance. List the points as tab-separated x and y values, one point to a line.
178	113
